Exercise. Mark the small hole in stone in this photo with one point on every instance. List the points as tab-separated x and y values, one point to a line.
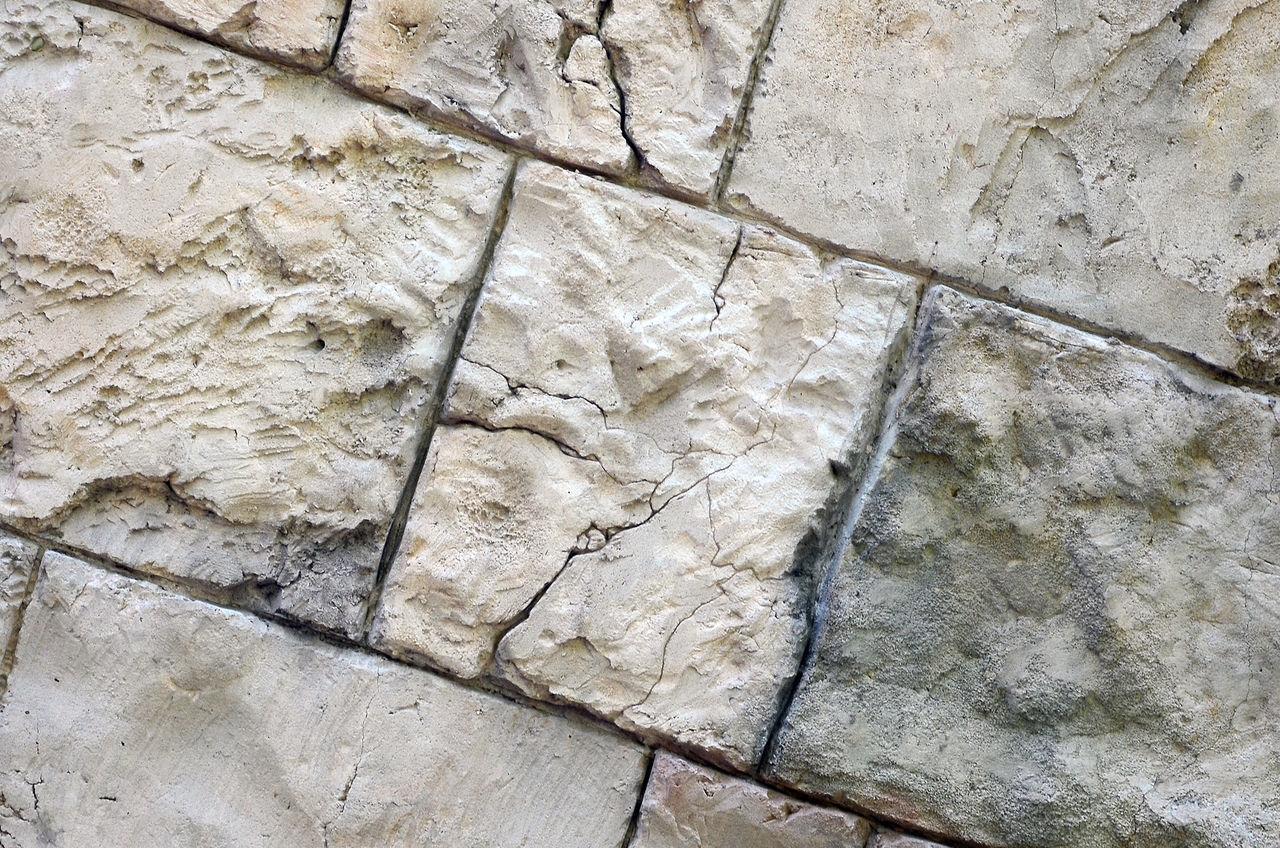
137	164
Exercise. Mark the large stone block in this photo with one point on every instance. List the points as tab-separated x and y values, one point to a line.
1114	160
138	717
591	83
226	291
650	421
690	806
1058	620
296	32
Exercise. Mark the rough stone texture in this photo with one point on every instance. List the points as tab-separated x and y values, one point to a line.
1115	160
689	806
892	839
225	293
17	558
653	410
682	67
297	32
133	713
587	82
1056	623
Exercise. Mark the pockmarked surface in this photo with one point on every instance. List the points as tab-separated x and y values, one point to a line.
613	86
1056	622
654	415
226	292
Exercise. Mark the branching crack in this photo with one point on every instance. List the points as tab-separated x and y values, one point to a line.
614	60
716	300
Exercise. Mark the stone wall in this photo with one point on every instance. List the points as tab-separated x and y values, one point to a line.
640	424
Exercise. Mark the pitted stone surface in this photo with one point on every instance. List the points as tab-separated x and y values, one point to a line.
690	806
1057	621
682	67
133	712
226	291
17	558
648	421
297	32
590	83
1117	161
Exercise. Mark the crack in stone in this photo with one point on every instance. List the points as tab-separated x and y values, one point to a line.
611	53
716	300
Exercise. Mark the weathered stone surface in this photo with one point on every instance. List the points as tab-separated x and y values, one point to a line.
891	839
689	806
225	293
532	72
1114	160
17	558
587	82
649	420
133	712
298	32
682	67
1056	623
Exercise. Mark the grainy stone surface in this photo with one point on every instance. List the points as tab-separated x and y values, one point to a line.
297	32
1117	161
682	67
892	839
532	72
225	293
133	713
690	806
585	82
648	421
17	558
1056	623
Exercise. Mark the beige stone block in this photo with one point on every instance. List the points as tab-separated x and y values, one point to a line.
1113	161
653	415
138	717
226	292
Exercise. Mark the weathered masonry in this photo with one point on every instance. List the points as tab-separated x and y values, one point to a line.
640	424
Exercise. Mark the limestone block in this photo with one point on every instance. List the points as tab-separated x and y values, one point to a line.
1114	160
296	32
531	72
589	83
682	67
1056	624
653	412
133	712
17	558
226	291
892	839
689	806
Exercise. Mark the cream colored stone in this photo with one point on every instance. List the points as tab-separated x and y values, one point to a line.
1116	161
671	397
528	71
17	558
892	839
690	806
1058	622
592	84
682	67
226	292
297	32
138	717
